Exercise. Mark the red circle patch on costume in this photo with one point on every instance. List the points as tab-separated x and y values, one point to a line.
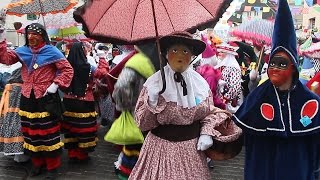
267	111
310	108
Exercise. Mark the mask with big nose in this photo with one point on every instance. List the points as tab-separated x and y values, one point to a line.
179	57
35	40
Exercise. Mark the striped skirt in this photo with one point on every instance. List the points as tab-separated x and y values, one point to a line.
41	131
80	125
11	139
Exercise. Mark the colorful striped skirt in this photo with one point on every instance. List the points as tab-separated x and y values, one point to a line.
41	131
80	125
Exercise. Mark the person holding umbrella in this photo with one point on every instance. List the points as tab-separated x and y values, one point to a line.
280	118
182	122
44	70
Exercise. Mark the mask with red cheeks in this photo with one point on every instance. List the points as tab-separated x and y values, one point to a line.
35	40
280	69
179	57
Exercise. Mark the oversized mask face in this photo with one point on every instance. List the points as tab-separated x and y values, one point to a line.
35	40
179	57
280	69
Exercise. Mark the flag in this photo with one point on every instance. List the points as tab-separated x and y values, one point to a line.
247	8
266	9
309	2
257	8
251	1
297	2
305	11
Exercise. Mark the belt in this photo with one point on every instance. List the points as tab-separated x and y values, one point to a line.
177	133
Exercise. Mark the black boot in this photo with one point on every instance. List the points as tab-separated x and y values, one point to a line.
35	171
52	175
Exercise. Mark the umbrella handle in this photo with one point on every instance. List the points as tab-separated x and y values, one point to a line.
260	57
163	77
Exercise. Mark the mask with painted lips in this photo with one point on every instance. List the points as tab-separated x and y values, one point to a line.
280	70
179	57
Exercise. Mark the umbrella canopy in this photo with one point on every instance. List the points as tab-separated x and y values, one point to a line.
65	32
134	21
60	20
313	51
258	31
22	7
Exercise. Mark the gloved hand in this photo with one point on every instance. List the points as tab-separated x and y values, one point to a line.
253	75
153	99
204	142
221	85
53	88
101	54
231	108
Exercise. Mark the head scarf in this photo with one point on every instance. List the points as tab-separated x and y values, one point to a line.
38	29
81	67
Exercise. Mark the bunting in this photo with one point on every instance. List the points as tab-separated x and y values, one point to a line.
266	9
298	2
247	8
309	2
251	1
305	11
296	10
257	9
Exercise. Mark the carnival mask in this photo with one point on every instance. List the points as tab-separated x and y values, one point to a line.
35	40
280	69
179	57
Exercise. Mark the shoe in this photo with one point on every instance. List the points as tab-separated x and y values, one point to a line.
52	175
210	164
86	160
73	160
35	171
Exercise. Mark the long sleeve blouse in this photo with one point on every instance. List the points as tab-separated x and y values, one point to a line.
39	79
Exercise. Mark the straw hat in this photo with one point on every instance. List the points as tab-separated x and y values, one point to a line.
181	37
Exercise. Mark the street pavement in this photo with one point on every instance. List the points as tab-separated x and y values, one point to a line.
101	166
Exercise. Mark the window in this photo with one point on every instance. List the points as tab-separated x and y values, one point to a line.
312	23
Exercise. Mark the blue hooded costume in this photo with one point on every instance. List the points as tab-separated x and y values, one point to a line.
281	128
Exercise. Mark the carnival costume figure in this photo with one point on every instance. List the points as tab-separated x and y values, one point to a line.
44	70
280	118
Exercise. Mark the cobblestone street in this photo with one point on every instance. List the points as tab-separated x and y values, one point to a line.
101	166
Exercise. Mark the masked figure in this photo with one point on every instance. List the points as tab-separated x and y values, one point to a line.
44	70
182	122
280	118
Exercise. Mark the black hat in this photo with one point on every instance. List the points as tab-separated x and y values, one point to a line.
38	29
181	37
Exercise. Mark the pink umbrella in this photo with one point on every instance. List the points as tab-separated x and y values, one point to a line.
313	51
132	21
258	31
136	21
